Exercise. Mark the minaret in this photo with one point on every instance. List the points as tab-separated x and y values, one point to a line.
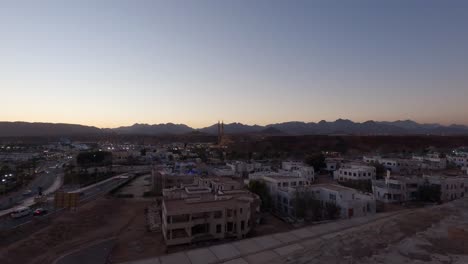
219	132
222	128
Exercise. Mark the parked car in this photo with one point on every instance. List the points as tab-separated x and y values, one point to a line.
27	193
40	211
20	212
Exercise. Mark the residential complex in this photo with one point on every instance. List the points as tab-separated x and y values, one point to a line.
196	213
460	160
396	189
402	189
409	165
354	172
351	202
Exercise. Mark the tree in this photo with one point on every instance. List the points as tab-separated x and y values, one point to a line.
316	160
361	185
94	158
380	170
341	145
429	193
260	188
143	152
332	211
307	206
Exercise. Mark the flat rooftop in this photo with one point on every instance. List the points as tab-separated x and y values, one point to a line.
281	177
206	203
333	187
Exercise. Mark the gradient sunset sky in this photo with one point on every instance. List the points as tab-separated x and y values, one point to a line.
112	63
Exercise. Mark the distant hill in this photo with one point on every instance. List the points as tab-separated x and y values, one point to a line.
340	126
272	131
232	128
159	129
343	126
25	129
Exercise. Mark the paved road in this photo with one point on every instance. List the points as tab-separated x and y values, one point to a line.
44	180
87	193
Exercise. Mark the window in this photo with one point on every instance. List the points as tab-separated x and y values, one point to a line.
180	218
332	196
218	214
218	229
242	225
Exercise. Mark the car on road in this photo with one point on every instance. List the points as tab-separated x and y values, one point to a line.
40	211
20	212
27	193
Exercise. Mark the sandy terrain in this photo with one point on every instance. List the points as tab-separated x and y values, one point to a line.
430	235
101	219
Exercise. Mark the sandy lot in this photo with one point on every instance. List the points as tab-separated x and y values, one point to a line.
101	219
108	217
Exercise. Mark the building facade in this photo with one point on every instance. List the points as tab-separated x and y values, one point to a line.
396	189
354	172
459	160
196	213
351	202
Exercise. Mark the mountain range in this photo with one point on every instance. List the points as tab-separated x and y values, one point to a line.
340	126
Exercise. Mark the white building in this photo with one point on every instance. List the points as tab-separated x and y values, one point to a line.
396	189
355	172
431	161
451	187
401	189
223	171
291	165
389	164
274	183
243	167
408	166
307	173
332	164
194	214
351	202
258	175
459	160
298	169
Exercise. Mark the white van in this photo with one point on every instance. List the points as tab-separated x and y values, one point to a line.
20	212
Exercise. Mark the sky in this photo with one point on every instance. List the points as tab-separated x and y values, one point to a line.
114	63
